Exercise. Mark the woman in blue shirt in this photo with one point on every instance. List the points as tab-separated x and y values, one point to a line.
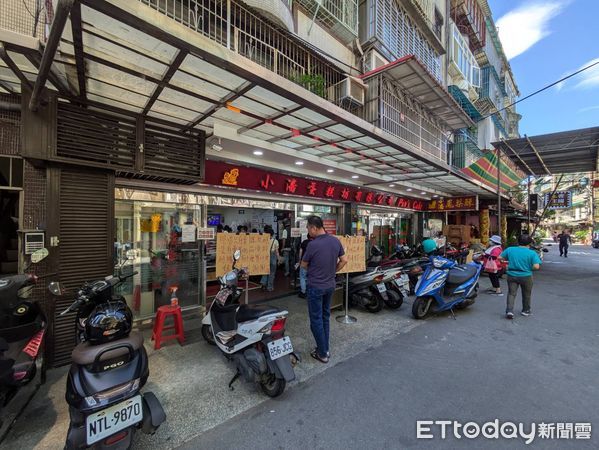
521	262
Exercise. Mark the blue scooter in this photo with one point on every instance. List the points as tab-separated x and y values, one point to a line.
445	285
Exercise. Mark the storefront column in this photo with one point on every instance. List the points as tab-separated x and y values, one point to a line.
484	226
504	228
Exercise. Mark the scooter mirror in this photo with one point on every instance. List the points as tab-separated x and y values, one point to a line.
237	255
39	255
545	250
55	288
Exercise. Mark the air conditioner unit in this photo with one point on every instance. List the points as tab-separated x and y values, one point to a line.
374	60
350	91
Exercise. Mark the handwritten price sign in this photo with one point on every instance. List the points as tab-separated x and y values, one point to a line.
254	248
355	250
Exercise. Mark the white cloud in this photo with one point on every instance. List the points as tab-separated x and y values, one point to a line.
523	27
587	79
588	108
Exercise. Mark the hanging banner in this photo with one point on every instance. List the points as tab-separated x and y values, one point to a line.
469	203
254	248
354	247
560	200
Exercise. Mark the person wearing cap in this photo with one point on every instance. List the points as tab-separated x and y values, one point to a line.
521	263
492	264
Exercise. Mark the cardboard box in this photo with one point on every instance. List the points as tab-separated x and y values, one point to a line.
457	234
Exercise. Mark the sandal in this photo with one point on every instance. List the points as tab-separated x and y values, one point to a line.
314	354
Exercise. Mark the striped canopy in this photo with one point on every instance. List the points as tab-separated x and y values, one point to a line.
485	171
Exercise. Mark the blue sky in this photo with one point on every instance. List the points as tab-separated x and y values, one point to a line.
546	40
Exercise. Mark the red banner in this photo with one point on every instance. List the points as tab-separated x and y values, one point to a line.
453	204
223	174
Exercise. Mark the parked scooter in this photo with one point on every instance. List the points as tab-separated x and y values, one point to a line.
445	285
109	367
369	290
22	330
252	336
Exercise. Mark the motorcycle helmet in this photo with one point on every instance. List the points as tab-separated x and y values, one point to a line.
429	246
108	322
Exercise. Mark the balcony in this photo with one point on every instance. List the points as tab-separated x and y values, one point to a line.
491	92
340	17
429	21
464	150
389	28
470	20
234	26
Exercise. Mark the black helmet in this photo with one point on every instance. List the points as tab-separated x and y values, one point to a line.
524	239
108	322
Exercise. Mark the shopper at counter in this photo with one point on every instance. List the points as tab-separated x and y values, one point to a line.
323	258
268	281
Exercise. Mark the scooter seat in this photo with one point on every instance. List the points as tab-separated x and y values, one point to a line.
246	313
460	274
85	353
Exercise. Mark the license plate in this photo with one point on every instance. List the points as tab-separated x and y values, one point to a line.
280	347
111	420
401	282
381	287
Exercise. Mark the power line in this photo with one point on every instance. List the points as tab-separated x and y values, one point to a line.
541	90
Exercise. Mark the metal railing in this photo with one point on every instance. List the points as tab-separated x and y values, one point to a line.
239	29
340	16
398	34
27	17
464	150
386	108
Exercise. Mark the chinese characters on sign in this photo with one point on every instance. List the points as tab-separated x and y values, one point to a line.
453	204
223	174
560	200
254	249
354	249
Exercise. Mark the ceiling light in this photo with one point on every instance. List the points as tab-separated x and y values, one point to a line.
409	189
355	176
299	163
423	193
391	185
435	195
330	170
258	152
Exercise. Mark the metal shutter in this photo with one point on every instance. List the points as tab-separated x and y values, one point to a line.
86	212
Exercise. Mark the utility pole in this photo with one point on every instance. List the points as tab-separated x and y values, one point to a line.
498	192
528	200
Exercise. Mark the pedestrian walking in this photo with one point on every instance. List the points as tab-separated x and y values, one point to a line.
521	261
492	264
323	258
268	281
303	273
565	240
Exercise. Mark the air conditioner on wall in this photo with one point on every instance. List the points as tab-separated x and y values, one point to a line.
348	92
373	60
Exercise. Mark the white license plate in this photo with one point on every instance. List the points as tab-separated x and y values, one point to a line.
381	287
280	347
400	282
111	420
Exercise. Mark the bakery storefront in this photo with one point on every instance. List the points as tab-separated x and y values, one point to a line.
155	231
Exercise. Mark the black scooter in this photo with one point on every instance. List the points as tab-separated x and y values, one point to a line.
22	331
109	368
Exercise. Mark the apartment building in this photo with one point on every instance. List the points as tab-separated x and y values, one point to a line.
134	118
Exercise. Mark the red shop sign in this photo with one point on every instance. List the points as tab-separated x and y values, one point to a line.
224	174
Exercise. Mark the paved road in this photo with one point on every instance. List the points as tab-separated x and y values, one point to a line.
480	367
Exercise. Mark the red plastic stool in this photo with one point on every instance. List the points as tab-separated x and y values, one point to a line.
161	315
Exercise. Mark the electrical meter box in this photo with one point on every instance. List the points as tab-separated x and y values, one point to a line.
33	240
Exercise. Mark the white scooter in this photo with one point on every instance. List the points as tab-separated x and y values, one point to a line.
250	335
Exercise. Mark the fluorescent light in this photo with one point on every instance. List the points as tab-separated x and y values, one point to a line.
299	163
355	176
435	195
330	170
409	189
423	193
258	152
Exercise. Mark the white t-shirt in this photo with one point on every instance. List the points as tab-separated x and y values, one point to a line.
274	245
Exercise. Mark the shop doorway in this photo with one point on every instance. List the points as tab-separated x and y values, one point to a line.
9	225
387	230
